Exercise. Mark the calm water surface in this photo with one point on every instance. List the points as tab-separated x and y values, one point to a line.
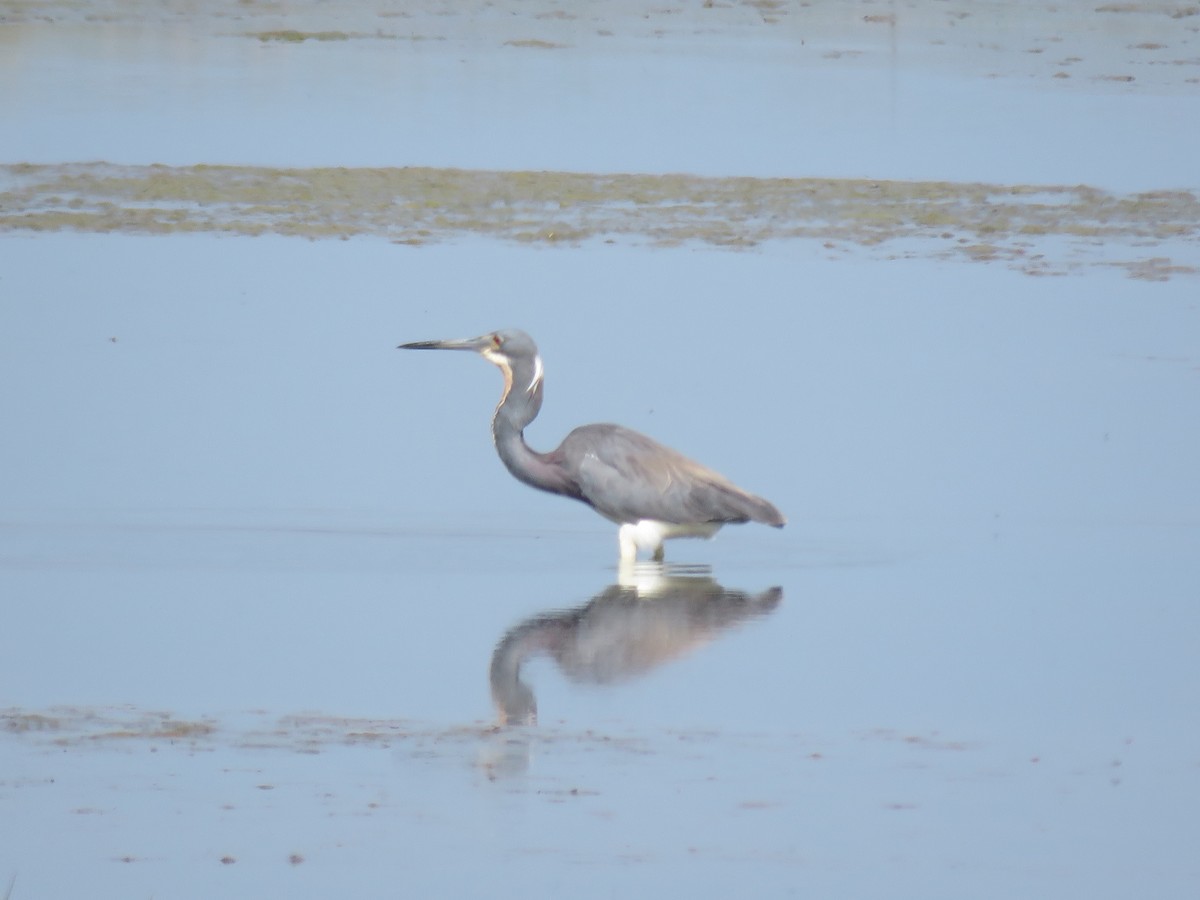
249	512
929	100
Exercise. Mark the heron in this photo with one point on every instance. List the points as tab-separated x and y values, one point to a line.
653	493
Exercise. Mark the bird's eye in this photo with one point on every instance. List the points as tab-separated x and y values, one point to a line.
496	342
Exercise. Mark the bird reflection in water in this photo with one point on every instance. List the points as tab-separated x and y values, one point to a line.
655	614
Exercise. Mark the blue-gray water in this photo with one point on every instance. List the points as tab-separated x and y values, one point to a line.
255	564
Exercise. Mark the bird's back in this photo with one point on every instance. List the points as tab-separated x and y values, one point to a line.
628	477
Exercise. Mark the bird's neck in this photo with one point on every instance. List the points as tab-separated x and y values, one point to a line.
518	407
525	463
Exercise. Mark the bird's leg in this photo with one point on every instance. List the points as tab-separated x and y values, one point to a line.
627	542
658	554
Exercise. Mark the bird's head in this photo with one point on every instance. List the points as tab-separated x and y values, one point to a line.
511	349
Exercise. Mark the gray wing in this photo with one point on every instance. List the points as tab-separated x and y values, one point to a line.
627	476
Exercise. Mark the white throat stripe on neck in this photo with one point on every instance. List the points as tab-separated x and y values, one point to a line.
538	372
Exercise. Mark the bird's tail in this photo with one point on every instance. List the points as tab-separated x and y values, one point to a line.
764	511
743	507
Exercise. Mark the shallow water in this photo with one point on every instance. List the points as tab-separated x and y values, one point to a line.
250	515
275	613
941	92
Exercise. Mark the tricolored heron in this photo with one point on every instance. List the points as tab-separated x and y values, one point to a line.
651	491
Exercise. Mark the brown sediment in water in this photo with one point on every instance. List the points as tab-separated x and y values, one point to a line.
414	206
81	728
68	725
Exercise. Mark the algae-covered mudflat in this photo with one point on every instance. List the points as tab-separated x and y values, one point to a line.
1041	230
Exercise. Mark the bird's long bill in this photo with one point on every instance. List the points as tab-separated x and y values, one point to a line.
475	344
